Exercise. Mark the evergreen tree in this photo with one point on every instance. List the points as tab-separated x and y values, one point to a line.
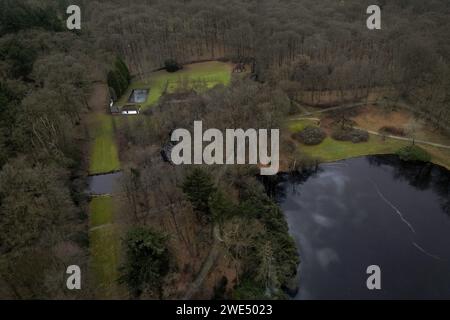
147	261
114	83
198	187
221	207
123	69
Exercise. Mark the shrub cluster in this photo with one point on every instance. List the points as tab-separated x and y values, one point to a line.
392	130
413	153
350	134
172	65
310	135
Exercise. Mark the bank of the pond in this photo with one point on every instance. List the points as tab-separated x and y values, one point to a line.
104	184
374	210
331	150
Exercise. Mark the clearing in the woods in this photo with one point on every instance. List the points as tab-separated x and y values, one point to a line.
104	247
198	75
104	155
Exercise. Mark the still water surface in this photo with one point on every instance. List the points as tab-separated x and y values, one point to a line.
366	211
105	184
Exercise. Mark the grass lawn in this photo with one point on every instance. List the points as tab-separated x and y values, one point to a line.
332	150
210	73
104	247
101	209
104	155
299	125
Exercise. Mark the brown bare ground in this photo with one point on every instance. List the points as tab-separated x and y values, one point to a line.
373	118
98	101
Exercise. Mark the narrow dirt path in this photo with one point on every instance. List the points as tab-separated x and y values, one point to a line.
306	116
346	106
437	145
98	101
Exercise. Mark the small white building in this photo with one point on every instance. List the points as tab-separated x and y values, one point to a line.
131	110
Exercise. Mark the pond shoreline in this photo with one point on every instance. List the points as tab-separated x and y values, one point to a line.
422	175
104	173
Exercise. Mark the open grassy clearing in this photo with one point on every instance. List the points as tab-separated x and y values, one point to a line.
332	150
104	247
104	155
208	74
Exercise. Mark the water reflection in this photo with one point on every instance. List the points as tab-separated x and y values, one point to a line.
373	210
419	176
104	184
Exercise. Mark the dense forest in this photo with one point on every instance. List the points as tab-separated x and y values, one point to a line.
297	49
46	74
311	45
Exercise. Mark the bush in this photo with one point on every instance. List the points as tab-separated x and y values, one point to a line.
351	134
392	130
413	153
172	65
310	135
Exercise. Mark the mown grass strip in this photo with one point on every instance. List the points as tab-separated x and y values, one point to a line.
104	155
104	247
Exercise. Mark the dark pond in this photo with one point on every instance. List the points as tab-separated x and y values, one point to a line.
370	211
138	96
104	184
